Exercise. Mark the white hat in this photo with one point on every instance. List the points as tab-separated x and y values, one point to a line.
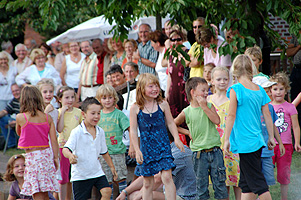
263	81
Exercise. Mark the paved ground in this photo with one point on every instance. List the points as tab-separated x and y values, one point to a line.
4	186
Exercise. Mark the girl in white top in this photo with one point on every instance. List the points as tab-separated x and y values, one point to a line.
71	66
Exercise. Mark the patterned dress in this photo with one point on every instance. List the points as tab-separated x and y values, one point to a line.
154	144
232	161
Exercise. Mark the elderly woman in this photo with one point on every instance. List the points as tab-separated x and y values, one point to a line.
47	50
40	69
130	47
119	54
71	66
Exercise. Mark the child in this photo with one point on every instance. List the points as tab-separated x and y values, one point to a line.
154	155
15	172
83	149
201	119
69	118
297	100
207	75
256	56
220	81
287	119
34	128
114	122
247	101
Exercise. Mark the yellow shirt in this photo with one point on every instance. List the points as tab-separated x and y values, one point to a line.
198	70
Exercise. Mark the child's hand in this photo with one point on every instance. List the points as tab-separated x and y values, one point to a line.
56	163
115	175
297	147
131	151
201	101
73	159
282	149
139	157
179	144
48	108
271	143
227	147
64	108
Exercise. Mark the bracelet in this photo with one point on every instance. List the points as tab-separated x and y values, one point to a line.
126	193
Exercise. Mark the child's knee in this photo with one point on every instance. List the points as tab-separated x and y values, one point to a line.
106	192
166	177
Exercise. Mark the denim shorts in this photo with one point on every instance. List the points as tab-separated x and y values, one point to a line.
267	168
210	163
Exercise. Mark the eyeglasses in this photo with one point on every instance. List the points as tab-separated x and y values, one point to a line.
195	27
175	39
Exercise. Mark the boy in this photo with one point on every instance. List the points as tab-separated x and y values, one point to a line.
201	119
114	122
256	56
83	148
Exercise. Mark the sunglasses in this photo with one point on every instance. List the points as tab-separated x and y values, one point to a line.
199	26
175	39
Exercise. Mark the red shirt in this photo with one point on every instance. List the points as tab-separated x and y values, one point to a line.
100	68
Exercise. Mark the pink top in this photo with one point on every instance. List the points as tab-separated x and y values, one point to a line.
284	112
34	135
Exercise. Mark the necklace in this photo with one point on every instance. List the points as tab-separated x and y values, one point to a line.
150	113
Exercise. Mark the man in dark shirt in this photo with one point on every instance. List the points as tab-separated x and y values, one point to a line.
13	107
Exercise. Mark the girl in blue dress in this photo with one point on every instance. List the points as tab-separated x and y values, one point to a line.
151	114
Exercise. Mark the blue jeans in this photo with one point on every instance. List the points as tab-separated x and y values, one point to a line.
267	168
210	163
12	137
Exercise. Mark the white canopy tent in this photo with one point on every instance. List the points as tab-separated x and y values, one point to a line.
99	27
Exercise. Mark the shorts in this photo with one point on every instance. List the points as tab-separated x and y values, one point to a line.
267	168
251	176
119	164
210	163
65	169
39	174
82	189
283	163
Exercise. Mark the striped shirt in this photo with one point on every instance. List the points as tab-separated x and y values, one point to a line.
148	52
13	107
88	71
26	62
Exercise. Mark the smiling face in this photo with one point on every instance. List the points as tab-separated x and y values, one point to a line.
97	47
152	90
278	93
117	46
130	72
47	93
107	101
15	89
200	91
129	48
86	48
40	61
176	40
3	62
18	168
144	33
92	115
118	78
21	52
220	80
68	98
74	47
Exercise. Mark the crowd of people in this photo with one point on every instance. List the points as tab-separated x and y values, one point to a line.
86	111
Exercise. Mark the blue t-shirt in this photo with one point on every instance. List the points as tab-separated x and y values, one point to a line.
246	135
265	151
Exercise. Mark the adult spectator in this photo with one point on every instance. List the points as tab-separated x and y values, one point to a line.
131	72
7	47
40	69
88	73
30	44
59	58
48	52
71	66
117	75
104	60
119	54
158	43
130	47
56	47
22	60
13	107
294	50
146	55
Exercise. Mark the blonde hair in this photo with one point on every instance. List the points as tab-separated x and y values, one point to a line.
131	41
106	90
143	81
31	100
282	78
35	53
45	81
219	68
243	65
9	173
3	55
200	19
254	51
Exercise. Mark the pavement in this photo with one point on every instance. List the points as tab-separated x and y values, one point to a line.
4	186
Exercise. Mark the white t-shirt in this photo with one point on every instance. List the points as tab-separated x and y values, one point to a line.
72	71
87	150
161	71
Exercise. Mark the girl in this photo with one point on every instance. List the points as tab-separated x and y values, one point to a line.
220	80
287	119
149	114
69	118
15	172
207	76
247	101
34	128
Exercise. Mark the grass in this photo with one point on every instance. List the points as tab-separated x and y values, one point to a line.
13	151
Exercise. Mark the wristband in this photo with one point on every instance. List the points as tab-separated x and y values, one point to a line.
126	193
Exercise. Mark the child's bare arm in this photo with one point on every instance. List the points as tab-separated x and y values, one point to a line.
172	126
19	119
269	124
53	140
210	112
278	139
134	134
296	129
297	100
60	122
109	161
230	119
180	119
68	154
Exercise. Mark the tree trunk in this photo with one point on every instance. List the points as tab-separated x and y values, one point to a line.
158	22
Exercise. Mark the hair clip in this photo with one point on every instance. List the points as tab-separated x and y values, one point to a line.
16	157
61	90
